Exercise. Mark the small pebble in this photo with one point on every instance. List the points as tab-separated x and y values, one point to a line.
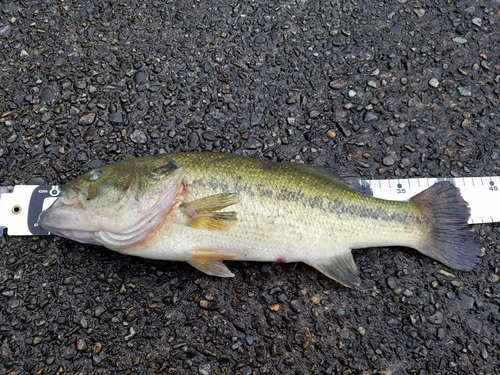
436	318
466	302
255	119
419	12
96	348
370	116
11	138
50	359
240	326
331	133
295	306
303	337
464	91
389	140
116	117
314	113
131	334
99	311
193	140
388	161
80	85
96	359
138	136
5	31
493	278
140	77
475	324
441	333
87	119
80	345
204	369
46	94
433	82
459	40
338	84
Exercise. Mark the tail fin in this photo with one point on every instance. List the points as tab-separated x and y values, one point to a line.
450	240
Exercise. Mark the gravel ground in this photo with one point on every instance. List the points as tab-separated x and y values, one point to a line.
383	89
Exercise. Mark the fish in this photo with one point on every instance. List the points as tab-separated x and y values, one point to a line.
205	208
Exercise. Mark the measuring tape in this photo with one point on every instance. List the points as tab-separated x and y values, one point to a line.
20	208
481	193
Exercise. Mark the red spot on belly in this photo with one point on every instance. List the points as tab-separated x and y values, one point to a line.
281	260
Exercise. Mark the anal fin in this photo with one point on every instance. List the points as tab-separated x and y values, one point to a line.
340	267
210	262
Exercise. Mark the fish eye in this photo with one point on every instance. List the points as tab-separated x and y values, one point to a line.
95	174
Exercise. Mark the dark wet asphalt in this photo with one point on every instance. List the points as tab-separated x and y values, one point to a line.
394	88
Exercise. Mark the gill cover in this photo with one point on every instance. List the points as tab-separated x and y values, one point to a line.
116	205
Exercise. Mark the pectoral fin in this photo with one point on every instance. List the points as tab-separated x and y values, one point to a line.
212	203
212	220
210	262
202	212
341	268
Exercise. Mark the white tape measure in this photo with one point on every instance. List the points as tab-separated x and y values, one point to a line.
20	208
481	193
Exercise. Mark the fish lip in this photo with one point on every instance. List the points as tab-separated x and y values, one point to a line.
60	203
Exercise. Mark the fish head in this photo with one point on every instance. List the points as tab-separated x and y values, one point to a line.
129	198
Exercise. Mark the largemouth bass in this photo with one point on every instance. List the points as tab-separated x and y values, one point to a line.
204	208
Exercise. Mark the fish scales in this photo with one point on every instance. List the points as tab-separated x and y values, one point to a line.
226	207
285	199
